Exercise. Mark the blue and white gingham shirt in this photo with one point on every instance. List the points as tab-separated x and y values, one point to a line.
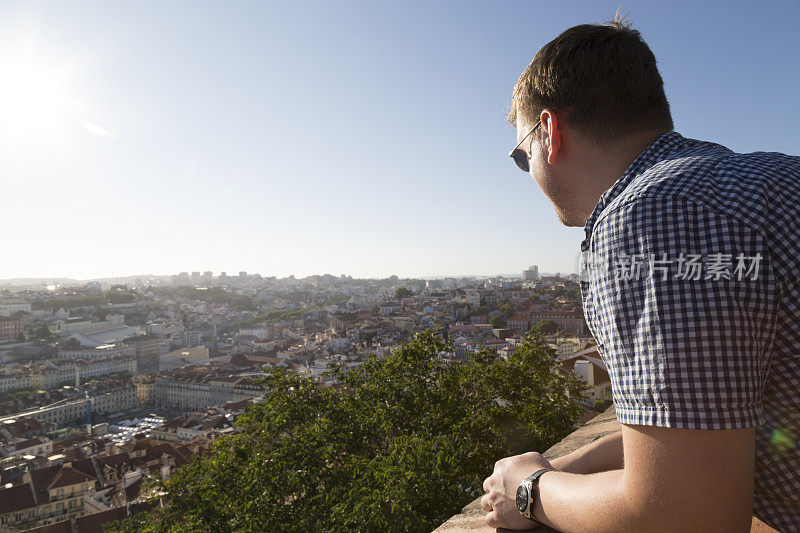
694	300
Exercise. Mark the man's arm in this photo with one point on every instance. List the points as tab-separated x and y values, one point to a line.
599	456
673	480
689	359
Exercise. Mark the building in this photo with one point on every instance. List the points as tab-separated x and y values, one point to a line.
55	373
519	324
148	351
571	321
10	328
24	428
145	390
531	274
183	357
14	381
262	332
104	397
41	446
9	307
110	400
190	390
104	351
589	367
94	334
47	495
187	427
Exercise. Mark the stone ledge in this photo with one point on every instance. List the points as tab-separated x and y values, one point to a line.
470	519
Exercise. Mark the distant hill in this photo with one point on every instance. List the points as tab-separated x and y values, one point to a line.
42	282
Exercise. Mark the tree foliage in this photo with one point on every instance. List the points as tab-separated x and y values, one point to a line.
402	292
400	445
497	322
546	327
89	300
25	393
570	290
217	295
279	315
41	333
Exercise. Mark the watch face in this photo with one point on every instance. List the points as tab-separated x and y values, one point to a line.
522	498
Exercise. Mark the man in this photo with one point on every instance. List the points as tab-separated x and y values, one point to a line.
694	300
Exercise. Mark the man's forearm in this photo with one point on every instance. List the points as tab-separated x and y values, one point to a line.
673	480
589	503
599	456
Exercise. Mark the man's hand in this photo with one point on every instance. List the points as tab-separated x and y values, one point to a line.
501	490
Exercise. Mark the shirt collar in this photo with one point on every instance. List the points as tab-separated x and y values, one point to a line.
655	152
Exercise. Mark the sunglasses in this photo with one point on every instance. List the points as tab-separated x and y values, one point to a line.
519	155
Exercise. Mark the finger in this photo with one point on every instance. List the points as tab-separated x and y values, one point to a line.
492	520
486	484
486	503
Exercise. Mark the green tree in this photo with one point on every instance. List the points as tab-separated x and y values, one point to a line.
42	333
497	322
545	327
216	295
402	292
400	445
119	297
507	309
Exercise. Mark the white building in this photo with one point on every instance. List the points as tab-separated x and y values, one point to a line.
103	400
14	381
32	446
531	274
9	307
189	390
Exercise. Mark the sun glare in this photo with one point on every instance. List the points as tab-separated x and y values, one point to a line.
33	102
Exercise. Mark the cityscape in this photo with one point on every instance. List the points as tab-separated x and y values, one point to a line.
396	267
105	387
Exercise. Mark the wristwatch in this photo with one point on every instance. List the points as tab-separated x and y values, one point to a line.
526	492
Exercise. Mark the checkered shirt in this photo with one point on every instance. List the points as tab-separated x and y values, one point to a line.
711	349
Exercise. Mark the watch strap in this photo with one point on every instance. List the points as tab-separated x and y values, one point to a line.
533	483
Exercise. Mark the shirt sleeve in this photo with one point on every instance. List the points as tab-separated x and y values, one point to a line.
686	346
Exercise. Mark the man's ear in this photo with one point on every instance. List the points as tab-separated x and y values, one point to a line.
552	126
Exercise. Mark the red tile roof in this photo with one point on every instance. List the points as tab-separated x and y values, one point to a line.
16	499
93	523
69	476
55	477
58	527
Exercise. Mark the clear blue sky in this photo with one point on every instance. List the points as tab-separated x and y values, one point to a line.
292	137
